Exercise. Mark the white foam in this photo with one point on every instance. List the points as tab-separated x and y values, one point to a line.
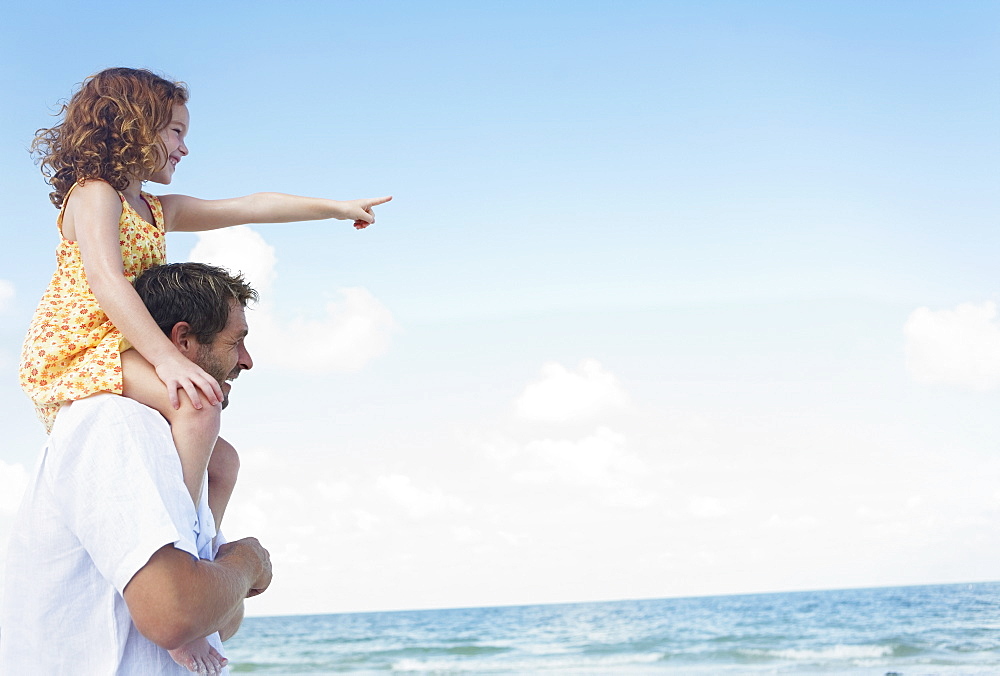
835	652
528	665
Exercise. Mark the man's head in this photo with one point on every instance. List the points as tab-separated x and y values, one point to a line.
201	309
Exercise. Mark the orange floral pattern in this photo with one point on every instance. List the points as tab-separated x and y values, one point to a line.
72	349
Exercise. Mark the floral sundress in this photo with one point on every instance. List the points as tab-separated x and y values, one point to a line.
72	349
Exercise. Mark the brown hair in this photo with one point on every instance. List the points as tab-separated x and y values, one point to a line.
110	130
195	293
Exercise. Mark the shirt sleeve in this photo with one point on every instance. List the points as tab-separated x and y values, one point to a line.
119	484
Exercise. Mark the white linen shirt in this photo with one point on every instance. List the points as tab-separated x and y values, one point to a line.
107	493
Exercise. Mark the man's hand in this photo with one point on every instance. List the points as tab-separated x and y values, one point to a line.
256	557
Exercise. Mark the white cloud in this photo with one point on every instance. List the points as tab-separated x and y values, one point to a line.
705	507
600	463
6	294
594	460
13	481
417	502
563	395
238	249
365	520
339	491
801	522
353	329
467	535
958	347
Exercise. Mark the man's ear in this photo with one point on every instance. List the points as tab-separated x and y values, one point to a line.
183	339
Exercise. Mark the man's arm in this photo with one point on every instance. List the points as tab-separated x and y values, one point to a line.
176	598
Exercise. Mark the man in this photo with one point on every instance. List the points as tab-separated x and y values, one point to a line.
110	563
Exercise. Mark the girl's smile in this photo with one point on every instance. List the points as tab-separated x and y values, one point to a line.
173	140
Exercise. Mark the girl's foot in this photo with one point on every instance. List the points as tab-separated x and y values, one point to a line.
200	657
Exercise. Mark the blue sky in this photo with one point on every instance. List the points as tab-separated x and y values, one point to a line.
672	298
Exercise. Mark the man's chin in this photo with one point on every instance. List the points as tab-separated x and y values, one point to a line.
226	387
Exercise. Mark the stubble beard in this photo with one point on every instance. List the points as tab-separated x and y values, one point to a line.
215	368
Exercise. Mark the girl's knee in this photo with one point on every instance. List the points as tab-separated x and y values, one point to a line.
205	420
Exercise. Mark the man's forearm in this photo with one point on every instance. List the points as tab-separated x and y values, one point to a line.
176	598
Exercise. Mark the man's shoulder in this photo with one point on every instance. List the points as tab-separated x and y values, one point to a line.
106	401
102	410
94	426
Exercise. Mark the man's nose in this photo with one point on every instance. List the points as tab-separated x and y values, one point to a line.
245	360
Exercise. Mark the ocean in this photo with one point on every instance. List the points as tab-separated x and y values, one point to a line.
902	631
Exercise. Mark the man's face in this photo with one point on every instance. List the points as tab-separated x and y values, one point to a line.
227	355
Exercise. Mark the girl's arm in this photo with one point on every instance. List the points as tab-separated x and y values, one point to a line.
92	219
189	214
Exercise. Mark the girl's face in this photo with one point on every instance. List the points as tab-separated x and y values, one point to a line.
173	140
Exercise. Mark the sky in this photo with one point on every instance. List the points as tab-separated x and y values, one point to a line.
672	298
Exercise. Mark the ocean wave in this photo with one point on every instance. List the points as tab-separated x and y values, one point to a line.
829	654
946	631
526	664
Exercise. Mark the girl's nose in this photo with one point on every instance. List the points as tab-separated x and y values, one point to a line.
182	148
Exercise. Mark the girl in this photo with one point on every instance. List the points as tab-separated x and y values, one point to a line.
91	333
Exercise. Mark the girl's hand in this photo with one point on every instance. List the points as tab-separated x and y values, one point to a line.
180	372
361	211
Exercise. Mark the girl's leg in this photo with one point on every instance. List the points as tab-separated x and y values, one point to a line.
222	471
196	436
195	431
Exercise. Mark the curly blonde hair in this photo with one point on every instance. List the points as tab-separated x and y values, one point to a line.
110	130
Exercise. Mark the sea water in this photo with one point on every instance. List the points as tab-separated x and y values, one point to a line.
906	631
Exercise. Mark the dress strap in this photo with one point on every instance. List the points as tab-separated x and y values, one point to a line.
155	208
62	209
